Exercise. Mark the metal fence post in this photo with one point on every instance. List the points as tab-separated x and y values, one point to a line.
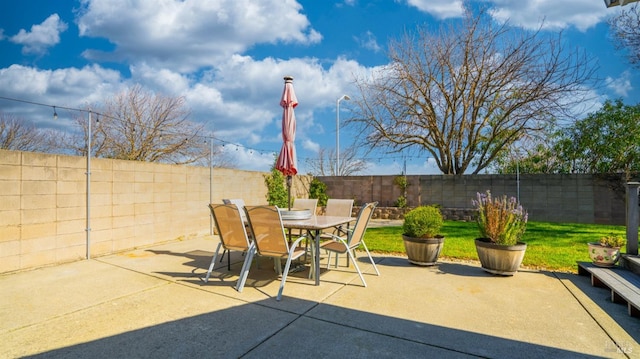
632	217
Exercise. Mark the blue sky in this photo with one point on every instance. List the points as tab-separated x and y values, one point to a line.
228	59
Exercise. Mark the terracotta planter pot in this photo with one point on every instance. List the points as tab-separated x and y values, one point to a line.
500	259
423	251
603	256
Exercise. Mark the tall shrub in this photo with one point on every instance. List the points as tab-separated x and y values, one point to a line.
276	189
318	190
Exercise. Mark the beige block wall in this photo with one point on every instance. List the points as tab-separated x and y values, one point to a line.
43	205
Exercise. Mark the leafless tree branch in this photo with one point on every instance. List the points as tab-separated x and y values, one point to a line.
626	32
464	93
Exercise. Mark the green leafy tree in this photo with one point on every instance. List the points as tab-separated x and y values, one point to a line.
607	141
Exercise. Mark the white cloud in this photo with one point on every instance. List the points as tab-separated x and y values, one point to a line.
41	36
66	88
311	145
191	34
440	10
243	94
369	42
530	14
249	159
239	101
70	86
196	49
621	85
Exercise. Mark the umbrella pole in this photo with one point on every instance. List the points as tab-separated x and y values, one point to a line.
289	201
289	191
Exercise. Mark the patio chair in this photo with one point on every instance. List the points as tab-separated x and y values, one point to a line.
353	240
312	205
240	204
339	208
271	241
232	233
307	203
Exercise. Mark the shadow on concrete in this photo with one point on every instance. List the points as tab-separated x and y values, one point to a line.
461	269
197	258
449	267
257	330
601	297
260	273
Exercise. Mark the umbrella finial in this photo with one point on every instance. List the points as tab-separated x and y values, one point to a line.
288	79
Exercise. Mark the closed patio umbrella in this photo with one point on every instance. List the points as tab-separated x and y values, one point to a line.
287	163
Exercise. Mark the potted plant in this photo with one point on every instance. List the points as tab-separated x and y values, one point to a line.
606	252
421	237
502	222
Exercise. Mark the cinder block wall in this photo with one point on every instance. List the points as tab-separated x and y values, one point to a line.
576	198
43	205
43	201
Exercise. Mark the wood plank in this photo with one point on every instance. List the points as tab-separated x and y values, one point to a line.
624	285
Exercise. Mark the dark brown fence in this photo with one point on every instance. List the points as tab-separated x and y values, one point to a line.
576	198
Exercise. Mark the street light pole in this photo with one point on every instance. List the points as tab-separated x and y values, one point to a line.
344	97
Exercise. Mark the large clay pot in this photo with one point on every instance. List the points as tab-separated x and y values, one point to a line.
603	256
423	251
500	259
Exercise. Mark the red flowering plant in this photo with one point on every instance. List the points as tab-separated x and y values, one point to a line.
500	219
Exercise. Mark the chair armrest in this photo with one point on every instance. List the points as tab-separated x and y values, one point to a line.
339	239
297	241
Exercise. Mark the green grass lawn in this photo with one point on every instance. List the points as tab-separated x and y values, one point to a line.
551	246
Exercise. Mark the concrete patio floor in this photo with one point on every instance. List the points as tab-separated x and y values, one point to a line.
152	303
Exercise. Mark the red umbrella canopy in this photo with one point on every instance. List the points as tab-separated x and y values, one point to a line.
287	163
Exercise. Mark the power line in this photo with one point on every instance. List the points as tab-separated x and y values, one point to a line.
222	142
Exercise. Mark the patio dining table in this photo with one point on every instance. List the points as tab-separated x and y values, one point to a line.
315	225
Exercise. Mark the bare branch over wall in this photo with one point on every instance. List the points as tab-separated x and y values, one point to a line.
466	92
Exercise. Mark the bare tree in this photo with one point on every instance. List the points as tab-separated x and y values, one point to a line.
464	93
626	32
18	135
325	163
142	126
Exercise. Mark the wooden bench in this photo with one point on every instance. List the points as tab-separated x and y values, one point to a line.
624	284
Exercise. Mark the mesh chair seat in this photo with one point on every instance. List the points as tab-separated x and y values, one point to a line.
339	208
232	233
353	240
335	246
270	241
307	203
